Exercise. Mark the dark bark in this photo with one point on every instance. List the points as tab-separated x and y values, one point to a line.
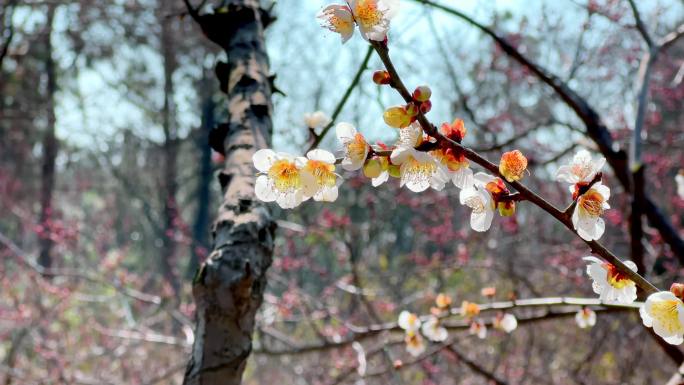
228	288
200	229
50	148
170	150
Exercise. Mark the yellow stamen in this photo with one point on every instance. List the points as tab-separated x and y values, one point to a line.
324	173
285	175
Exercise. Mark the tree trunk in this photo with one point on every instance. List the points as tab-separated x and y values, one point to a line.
170	150
50	148
228	287
200	229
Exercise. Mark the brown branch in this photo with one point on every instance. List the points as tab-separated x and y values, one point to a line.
531	196
640	24
475	367
595	128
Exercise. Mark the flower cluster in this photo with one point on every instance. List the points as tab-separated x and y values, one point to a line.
411	325
371	16
289	180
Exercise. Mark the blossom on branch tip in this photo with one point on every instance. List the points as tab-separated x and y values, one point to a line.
506	322
433	330
372	16
664	312
479	329
609	283
419	170
321	181
585	318
338	18
513	165
280	178
457	166
316	119
414	343
582	169
586	218
354	145
408	321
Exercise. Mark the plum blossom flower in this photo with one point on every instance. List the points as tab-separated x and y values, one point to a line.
280	178
418	170
585	318
338	18
355	146
319	172
609	283
443	301
456	165
582	169
433	330
506	322
469	309
480	200
513	165
316	119
414	344
372	16
479	329
664	312
586	218
679	179
409	321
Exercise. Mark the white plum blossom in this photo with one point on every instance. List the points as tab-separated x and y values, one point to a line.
582	169
479	329
664	312
586	218
506	322
418	170
609	283
433	330
585	318
316	119
409	321
414	343
354	144
480	200
372	16
338	18
321	181
679	179
280	178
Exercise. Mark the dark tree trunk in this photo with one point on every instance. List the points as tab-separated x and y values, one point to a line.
228	288
170	150
200	229
50	148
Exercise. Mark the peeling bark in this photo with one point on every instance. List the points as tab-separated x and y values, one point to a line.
228	288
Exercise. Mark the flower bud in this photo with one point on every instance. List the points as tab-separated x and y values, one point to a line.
455	131
488	292
422	93
506	209
397	117
394	170
425	106
381	77
513	165
678	290
372	168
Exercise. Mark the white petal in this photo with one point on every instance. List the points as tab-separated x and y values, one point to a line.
326	194
345	132
564	174
400	154
321	155
353	164
382	178
264	159
481	221
463	177
264	190
481	179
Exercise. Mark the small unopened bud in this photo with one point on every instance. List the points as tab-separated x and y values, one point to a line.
394	170
397	364
397	117
506	209
678	290
425	106
488	291
412	109
422	94
372	168
381	78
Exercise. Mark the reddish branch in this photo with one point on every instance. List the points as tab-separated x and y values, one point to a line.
595	128
529	195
